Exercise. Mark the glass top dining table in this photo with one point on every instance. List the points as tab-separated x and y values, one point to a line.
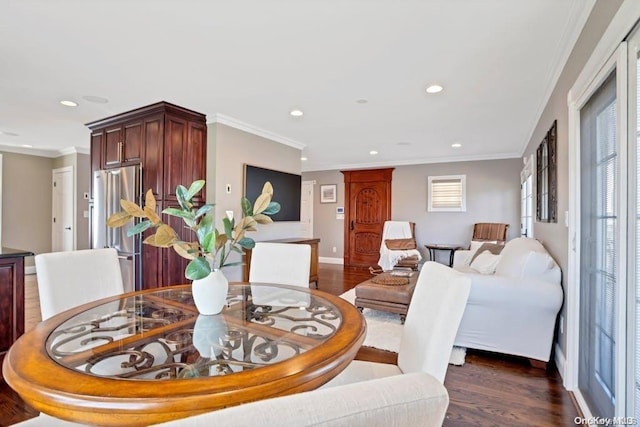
147	357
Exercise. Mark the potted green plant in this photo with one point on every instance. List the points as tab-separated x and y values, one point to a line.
210	252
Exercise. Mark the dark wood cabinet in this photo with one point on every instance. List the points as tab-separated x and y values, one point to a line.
11	297
170	143
122	145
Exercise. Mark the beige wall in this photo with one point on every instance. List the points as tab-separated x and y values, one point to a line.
555	235
325	225
493	195
228	149
81	164
26	203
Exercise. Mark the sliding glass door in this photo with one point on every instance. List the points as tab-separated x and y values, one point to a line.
599	248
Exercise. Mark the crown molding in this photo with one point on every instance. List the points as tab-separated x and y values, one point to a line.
411	162
567	42
44	153
246	127
29	151
74	150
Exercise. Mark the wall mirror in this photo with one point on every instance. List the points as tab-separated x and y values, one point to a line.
546	178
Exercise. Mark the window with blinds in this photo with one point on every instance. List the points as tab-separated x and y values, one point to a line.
447	193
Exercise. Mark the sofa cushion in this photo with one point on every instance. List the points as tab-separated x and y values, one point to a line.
485	262
493	248
473	249
516	259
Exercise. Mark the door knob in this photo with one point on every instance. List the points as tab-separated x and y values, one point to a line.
351	225
67	228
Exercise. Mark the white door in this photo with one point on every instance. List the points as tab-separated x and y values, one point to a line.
306	209
62	200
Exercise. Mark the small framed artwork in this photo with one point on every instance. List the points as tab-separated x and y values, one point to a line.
328	193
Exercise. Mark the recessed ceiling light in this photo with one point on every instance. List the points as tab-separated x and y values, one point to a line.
296	113
456	145
67	103
95	99
27	145
434	89
361	101
304	159
373	152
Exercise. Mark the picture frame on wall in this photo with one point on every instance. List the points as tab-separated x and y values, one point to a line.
328	193
546	177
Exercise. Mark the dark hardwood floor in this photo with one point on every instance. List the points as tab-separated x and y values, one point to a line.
488	390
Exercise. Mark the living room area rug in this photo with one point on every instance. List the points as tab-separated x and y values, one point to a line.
384	331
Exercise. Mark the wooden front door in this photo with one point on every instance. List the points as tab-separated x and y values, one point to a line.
367	207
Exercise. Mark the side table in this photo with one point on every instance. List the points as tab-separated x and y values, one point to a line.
452	248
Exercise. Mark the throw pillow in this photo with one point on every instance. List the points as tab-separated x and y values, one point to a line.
485	262
493	248
536	264
400	244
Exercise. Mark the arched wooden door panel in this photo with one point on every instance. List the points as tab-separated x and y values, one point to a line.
367	207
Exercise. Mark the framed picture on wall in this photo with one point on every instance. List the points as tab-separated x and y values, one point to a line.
328	193
546	177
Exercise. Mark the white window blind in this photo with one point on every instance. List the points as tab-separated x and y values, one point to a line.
447	193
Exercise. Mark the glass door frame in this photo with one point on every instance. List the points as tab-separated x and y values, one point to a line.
578	97
633	290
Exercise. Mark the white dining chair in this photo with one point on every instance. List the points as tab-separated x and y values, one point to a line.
72	278
280	263
433	318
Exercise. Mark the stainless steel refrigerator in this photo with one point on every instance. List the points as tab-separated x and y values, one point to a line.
109	187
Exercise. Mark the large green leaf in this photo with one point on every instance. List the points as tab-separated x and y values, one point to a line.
186	214
194	188
204	210
139	228
205	227
247	207
208	243
272	209
247	243
197	269
181	195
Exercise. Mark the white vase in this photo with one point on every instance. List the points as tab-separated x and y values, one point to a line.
210	293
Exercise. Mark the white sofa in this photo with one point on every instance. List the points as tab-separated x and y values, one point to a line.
514	309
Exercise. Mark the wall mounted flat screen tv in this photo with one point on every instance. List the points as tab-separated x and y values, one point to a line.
287	189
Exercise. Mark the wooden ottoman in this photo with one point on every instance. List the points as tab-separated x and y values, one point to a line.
391	298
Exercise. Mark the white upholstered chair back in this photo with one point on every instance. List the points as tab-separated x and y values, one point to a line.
69	279
433	318
280	263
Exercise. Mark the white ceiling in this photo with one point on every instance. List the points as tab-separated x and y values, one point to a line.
248	63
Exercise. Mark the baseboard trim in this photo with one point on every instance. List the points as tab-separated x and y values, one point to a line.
30	269
328	260
560	360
